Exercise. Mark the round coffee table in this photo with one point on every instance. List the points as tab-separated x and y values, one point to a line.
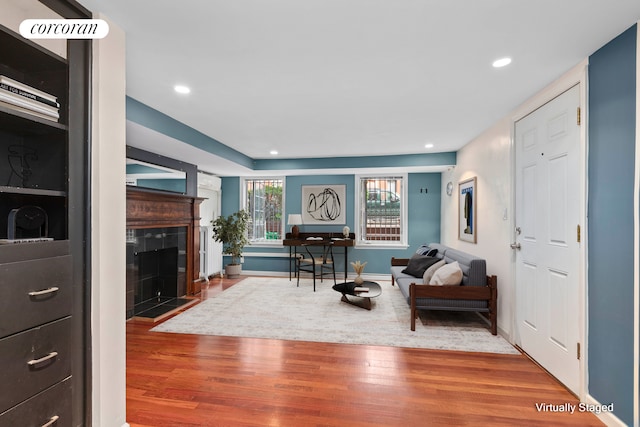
364	292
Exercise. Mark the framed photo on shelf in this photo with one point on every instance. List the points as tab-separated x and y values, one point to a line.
467	217
324	204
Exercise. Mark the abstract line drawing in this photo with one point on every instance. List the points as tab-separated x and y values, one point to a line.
323	204
19	157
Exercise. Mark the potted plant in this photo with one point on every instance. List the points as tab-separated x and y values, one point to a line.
232	232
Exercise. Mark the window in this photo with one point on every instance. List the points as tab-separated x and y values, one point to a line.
263	201
381	210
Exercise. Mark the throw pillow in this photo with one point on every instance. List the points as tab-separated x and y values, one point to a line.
418	264
448	274
428	273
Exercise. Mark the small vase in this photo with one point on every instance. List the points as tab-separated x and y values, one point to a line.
358	280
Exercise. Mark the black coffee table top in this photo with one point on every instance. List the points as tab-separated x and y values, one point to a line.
349	288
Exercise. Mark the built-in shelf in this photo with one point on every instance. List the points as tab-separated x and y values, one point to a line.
11	119
32	191
44	164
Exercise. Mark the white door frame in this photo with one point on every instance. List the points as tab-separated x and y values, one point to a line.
575	76
636	250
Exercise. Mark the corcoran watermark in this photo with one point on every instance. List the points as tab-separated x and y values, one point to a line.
571	408
64	28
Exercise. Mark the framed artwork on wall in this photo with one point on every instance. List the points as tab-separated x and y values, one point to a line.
467	218
324	204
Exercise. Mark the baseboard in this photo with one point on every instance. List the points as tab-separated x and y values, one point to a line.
606	417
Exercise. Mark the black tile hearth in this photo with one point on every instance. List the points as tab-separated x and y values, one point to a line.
156	307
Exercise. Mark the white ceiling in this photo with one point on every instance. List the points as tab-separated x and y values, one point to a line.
322	78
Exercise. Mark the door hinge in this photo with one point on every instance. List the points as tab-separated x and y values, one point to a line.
578	233
578	118
578	351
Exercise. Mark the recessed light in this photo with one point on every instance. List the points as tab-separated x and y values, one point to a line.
181	89
502	62
428	146
273	152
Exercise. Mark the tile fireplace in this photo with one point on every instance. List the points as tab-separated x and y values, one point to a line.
156	269
163	257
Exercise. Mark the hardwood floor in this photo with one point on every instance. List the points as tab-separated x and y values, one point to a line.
190	380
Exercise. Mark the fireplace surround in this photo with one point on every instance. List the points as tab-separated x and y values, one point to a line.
162	229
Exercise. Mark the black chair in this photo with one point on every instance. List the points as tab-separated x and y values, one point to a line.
317	260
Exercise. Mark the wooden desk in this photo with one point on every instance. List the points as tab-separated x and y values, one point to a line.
337	238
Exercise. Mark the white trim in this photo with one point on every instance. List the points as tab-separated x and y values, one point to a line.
263	254
266	244
372	245
576	76
636	249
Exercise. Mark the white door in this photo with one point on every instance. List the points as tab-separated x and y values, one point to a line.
547	227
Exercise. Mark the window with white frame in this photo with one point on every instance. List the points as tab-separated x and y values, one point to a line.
263	201
381	210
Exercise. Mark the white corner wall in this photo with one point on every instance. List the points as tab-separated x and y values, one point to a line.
489	157
108	225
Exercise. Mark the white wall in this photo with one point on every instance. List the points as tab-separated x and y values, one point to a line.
489	157
108	225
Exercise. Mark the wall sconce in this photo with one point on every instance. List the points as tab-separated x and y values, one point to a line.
424	190
294	220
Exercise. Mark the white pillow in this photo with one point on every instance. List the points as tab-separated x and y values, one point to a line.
428	273
448	274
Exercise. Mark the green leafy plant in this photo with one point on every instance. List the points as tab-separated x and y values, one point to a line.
232	232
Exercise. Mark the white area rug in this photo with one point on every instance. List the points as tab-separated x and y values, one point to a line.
265	307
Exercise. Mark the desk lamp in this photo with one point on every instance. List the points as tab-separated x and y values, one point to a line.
295	220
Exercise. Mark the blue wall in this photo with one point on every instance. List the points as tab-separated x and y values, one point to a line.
423	220
612	87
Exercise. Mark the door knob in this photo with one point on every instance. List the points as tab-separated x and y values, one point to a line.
515	246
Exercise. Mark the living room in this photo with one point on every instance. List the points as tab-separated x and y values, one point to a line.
487	157
608	280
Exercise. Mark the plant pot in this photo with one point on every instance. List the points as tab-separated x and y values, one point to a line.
233	270
358	280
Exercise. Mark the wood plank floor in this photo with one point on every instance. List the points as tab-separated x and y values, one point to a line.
190	380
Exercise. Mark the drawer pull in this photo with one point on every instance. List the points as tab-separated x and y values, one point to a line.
44	292
51	421
42	359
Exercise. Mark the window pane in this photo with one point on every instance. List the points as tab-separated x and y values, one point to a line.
382	213
264	205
